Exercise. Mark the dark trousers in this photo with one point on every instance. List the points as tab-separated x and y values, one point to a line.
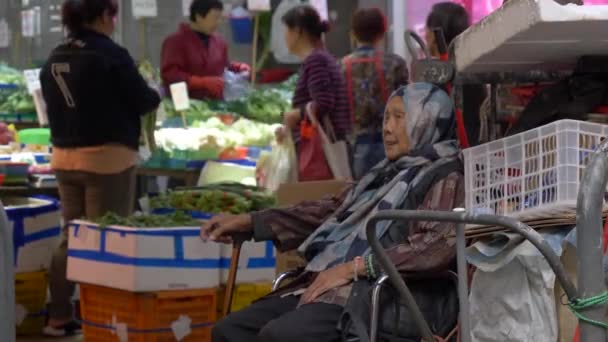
276	319
89	195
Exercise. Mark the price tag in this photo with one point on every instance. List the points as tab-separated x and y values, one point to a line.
5	34
258	5
32	79
179	94
144	8
321	7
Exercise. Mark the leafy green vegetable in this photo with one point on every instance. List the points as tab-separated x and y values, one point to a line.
214	199
177	219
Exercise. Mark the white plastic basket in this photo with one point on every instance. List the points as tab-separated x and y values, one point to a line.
531	175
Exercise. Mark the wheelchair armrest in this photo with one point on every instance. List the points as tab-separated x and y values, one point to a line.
281	278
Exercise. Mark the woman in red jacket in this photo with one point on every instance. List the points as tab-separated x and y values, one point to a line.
195	54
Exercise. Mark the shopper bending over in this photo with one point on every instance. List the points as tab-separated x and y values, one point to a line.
95	97
371	76
422	171
321	83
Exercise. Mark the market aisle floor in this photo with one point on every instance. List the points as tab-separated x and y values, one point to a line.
41	339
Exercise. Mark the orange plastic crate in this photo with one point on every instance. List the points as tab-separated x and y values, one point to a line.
148	316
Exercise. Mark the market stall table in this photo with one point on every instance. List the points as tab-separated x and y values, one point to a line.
189	176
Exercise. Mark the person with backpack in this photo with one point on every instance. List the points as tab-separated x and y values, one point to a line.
371	75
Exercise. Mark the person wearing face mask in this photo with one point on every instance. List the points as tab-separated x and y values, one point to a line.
422	171
95	98
197	55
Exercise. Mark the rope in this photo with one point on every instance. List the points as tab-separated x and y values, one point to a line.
581	304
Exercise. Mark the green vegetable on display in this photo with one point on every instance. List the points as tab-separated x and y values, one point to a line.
214	199
177	219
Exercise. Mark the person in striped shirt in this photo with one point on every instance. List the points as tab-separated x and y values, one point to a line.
321	83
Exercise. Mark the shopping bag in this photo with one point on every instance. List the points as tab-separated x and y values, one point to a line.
335	151
312	163
279	166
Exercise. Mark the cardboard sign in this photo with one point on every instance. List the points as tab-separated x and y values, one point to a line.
32	79
5	34
258	5
179	94
144	8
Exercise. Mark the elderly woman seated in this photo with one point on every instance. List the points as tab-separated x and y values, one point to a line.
422	171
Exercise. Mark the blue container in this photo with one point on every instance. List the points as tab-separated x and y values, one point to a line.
242	30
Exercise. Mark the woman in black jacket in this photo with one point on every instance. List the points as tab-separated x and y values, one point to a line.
95	98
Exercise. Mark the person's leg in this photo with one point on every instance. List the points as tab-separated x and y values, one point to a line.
110	193
71	193
246	324
312	322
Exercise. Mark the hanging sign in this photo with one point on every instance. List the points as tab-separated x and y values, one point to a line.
36	22
258	5
144	8
5	34
27	23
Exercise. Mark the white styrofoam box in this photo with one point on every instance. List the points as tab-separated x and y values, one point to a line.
36	227
534	174
141	260
257	262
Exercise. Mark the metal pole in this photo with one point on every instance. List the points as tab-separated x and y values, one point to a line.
463	280
373	324
589	241
7	280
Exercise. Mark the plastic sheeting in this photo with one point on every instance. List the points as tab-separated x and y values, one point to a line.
512	294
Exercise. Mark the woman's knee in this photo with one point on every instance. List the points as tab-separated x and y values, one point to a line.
277	332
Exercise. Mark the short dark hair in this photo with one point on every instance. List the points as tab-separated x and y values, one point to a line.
76	14
203	7
368	24
451	18
307	19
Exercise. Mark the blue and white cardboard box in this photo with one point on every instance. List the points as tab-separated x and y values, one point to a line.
35	224
257	262
142	260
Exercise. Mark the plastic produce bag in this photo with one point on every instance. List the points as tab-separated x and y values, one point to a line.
279	166
236	86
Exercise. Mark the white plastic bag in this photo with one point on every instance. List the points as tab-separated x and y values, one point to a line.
279	166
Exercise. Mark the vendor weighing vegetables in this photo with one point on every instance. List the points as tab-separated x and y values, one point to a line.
95	98
197	55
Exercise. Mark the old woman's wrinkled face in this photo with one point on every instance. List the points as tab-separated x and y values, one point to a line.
396	140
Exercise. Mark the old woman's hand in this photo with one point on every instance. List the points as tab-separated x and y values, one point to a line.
329	279
221	227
